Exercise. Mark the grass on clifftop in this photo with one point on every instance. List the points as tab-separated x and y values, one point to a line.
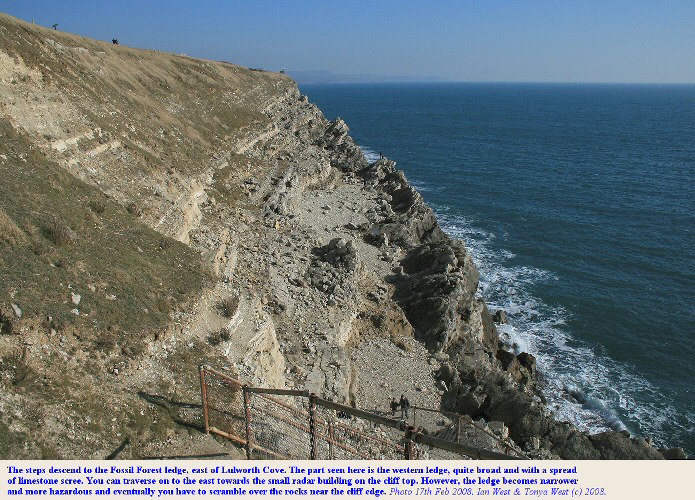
60	236
172	110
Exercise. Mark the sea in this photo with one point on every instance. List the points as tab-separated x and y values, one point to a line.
577	202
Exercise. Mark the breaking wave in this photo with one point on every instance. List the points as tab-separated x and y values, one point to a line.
370	154
578	382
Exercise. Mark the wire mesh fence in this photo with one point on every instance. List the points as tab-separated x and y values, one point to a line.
278	427
223	405
292	424
341	436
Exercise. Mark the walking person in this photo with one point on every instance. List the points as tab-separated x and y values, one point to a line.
405	406
394	406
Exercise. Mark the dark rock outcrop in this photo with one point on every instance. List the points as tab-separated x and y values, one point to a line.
345	154
500	317
435	286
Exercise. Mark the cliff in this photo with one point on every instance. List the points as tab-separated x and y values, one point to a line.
158	212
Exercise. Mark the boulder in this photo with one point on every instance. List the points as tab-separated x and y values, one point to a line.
7	320
527	360
508	361
377	237
17	311
499	428
673	453
620	446
522	368
500	317
447	373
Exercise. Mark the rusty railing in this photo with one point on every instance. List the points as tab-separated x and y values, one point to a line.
294	424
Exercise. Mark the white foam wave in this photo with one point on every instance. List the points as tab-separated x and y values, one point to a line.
422	187
370	154
579	383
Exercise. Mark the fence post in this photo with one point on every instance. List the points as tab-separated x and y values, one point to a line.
247	418
204	397
409	451
331	438
458	430
312	426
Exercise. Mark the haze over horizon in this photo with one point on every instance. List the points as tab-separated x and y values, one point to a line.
621	41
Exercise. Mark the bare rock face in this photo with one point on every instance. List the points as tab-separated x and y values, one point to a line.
521	367
615	445
345	154
405	218
327	377
263	353
493	394
500	317
435	285
437	292
673	453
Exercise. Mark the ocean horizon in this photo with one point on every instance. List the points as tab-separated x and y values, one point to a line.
577	203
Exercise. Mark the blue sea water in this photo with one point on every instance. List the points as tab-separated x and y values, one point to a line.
578	203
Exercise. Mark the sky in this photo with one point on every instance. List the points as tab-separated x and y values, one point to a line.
448	40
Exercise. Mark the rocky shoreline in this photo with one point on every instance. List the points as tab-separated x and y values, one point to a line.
434	284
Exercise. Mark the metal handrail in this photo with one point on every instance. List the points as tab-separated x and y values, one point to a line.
449	414
411	434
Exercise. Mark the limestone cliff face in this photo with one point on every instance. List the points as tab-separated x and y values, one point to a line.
323	271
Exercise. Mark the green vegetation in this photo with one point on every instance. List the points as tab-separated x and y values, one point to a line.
98	205
10	234
60	237
59	232
216	338
10	442
85	283
134	209
229	305
15	368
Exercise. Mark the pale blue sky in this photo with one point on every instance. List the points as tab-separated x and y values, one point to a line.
466	40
